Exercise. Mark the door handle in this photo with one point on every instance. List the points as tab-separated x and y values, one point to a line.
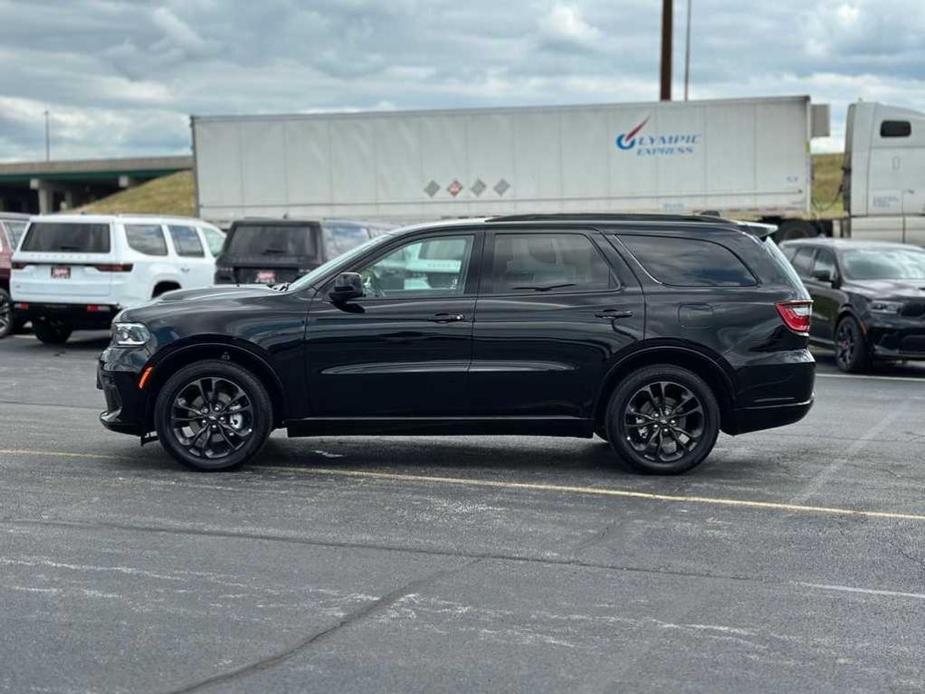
184	269
613	314
446	318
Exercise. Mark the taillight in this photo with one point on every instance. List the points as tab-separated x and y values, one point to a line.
106	267
97	308
19	266
796	315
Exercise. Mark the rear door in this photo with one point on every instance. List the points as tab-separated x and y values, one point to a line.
66	262
554	307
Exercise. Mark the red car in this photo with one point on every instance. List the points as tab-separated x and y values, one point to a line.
12	227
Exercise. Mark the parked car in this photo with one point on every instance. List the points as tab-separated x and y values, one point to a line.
75	272
868	298
11	226
275	251
655	332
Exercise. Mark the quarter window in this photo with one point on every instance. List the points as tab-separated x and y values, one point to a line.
186	241
429	267
548	262
146	238
688	262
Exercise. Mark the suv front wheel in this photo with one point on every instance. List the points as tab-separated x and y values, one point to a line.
663	419
213	415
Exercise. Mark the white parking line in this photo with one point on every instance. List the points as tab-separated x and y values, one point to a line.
865	591
861	377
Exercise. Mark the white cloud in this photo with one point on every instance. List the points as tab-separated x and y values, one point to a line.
565	22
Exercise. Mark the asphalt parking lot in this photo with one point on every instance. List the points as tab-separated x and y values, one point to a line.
792	559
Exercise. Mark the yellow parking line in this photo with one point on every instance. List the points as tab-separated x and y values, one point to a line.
611	492
540	487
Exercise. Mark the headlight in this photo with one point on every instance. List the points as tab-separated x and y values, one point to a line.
129	334
886	306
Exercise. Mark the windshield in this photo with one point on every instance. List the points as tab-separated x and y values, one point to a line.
884	264
272	239
339	262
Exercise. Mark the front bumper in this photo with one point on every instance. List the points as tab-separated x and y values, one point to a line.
78	316
117	374
897	338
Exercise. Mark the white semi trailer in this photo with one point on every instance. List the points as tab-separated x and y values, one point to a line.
739	157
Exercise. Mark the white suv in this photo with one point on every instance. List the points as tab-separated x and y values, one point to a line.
75	272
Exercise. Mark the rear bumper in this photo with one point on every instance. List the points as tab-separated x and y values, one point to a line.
772	391
748	419
78	316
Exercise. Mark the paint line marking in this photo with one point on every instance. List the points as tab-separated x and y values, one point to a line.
910	379
865	591
541	487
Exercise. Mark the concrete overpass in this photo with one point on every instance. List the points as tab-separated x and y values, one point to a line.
51	186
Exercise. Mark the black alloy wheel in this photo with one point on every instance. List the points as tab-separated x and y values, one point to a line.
851	353
663	419
6	314
213	415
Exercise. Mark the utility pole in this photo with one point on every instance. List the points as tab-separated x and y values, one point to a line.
687	52
666	50
47	138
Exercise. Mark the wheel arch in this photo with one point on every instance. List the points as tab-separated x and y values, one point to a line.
248	357
712	368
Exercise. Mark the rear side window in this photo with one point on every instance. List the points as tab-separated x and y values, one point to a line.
67	237
186	241
529	263
272	239
895	128
16	230
689	262
146	238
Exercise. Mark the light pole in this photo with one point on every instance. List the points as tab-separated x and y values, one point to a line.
47	138
665	91
687	51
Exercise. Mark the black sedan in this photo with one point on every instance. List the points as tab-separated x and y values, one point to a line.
868	298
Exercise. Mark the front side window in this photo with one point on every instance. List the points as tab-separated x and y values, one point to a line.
428	267
825	262
547	262
340	238
681	262
186	241
215	240
146	238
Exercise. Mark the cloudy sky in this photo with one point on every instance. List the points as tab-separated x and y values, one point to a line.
120	77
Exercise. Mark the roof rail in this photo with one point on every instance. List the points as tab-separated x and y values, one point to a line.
609	217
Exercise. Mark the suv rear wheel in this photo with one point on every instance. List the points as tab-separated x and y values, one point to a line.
663	420
51	332
6	313
213	415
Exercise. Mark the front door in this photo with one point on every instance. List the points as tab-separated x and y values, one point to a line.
403	349
554	308
826	297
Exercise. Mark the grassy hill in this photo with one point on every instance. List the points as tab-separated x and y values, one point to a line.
175	194
169	195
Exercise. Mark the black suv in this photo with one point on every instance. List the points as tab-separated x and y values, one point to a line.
868	298
654	332
276	251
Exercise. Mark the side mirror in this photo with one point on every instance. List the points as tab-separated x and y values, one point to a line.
347	286
824	276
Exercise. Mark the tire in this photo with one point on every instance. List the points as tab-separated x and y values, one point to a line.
51	332
7	322
640	414
237	434
851	351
